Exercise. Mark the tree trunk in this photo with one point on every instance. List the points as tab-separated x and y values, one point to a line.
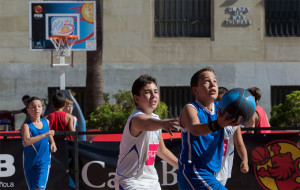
94	81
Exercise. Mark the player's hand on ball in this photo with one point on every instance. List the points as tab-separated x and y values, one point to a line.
224	122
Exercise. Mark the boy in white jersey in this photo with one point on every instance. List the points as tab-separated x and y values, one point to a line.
142	140
232	136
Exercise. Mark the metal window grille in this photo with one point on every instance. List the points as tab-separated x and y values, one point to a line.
175	98
278	93
282	18
182	18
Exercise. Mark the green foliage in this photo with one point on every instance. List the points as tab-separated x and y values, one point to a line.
109	117
288	113
113	117
106	98
125	99
162	110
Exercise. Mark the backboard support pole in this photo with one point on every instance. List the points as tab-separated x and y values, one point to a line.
62	73
51	58
62	64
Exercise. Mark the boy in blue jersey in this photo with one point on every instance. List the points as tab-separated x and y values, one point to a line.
35	138
202	135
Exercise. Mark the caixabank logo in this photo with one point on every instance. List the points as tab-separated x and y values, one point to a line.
277	165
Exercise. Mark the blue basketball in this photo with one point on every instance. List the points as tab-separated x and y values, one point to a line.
239	103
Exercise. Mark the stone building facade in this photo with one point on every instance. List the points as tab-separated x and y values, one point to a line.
237	46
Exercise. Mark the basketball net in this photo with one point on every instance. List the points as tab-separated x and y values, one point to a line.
63	45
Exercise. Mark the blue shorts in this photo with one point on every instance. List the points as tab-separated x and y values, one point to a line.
190	177
37	177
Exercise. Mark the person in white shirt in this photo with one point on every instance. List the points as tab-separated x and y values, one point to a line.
69	109
232	136
142	140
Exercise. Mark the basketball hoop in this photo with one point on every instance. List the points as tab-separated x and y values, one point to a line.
63	44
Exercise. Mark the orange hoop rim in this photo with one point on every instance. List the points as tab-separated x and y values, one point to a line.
69	37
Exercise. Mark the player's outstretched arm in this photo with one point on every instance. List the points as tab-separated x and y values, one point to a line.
143	123
242	151
189	120
166	154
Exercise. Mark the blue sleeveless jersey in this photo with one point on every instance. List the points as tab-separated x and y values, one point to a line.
39	152
203	151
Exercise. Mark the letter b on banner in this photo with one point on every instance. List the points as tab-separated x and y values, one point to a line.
166	173
7	168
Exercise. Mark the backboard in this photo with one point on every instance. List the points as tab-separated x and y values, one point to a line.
54	18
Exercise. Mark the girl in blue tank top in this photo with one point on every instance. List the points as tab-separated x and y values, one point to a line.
35	138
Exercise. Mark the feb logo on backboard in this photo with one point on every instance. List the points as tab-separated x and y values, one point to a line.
38	9
277	165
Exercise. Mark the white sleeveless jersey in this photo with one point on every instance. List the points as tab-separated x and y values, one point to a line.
228	153
135	169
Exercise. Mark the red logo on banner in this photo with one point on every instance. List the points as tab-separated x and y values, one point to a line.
276	166
151	154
